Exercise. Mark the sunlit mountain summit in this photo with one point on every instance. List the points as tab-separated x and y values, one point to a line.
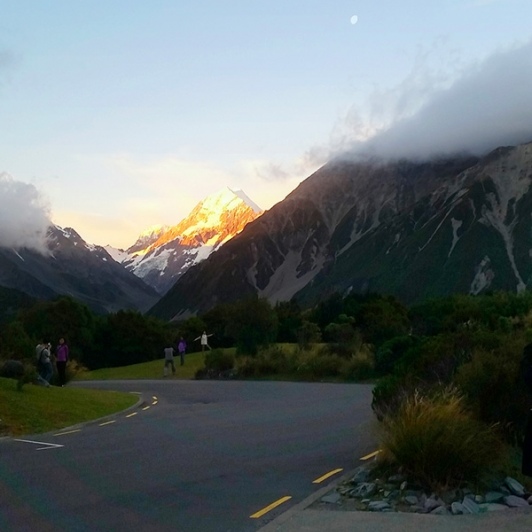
162	254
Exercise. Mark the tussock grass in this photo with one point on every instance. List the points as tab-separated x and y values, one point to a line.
36	409
437	441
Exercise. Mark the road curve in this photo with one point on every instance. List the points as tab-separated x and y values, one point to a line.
193	456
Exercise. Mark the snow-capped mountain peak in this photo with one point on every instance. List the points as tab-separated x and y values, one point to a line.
162	254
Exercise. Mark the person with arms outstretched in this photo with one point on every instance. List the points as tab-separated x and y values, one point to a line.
204	340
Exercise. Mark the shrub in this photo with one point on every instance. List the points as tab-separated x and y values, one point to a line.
271	361
391	352
491	385
437	441
219	360
360	366
321	366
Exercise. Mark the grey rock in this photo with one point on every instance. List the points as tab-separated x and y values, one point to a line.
403	486
332	498
479	499
515	502
493	507
530	500
470	506
440	510
450	496
365	489
379	506
457	508
411	499
361	475
493	496
515	487
432	503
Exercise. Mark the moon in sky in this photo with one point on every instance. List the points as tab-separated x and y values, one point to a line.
354	19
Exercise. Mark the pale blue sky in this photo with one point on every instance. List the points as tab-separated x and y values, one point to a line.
124	114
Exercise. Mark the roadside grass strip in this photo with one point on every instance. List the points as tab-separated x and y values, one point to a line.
326	476
269	508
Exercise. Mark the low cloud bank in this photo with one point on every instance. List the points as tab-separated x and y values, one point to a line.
490	105
24	215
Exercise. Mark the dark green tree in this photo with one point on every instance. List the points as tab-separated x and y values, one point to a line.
289	321
253	325
128	337
62	318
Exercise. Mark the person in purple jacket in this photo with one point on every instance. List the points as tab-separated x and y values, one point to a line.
61	358
181	349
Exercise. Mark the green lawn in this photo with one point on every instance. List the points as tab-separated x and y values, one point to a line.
147	370
37	409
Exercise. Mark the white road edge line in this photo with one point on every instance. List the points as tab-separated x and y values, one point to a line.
48	445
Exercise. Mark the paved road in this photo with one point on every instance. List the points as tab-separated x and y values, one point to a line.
195	456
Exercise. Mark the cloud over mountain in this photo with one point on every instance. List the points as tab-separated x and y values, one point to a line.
24	215
489	105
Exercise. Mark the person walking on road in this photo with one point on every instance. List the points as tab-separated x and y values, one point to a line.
181	349
169	360
204	340
61	359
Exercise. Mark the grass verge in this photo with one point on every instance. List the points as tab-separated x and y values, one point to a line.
146	370
36	409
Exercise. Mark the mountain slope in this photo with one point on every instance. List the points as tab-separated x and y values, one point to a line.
168	252
279	254
87	273
470	235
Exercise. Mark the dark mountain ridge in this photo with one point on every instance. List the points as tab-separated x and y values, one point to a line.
72	267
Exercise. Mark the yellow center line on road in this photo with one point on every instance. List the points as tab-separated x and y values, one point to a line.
108	422
269	508
69	432
133	414
371	455
326	476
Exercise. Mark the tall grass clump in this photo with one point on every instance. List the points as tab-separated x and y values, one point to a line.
435	439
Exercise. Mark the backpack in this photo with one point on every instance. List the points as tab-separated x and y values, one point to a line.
38	360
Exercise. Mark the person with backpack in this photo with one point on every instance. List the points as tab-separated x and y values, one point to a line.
45	370
61	359
168	360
